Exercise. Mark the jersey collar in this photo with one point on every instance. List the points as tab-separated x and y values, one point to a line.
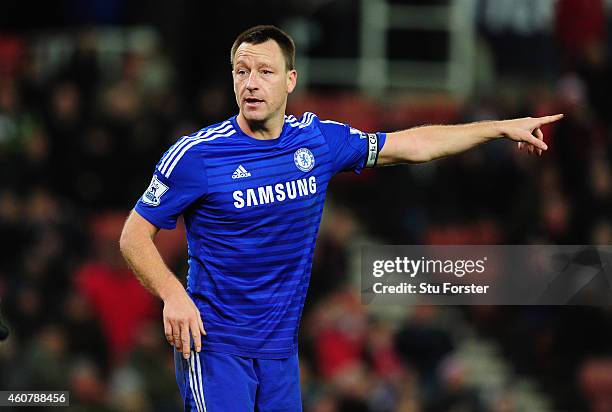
259	142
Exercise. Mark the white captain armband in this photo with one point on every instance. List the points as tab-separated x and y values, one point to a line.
372	150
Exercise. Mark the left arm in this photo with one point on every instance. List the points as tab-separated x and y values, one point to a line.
422	144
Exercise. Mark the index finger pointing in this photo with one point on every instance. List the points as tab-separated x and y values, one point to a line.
550	119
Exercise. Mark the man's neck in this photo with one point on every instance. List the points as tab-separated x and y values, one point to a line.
269	129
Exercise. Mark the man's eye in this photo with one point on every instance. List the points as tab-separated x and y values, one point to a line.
266	71
241	72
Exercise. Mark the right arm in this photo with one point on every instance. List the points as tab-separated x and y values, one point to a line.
181	316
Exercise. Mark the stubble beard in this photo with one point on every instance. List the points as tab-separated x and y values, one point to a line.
259	122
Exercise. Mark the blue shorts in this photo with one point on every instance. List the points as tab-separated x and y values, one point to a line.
220	382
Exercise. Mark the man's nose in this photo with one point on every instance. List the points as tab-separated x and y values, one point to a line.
251	83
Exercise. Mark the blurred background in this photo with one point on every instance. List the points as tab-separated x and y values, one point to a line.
93	92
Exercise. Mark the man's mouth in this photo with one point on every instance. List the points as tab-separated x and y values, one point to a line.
253	101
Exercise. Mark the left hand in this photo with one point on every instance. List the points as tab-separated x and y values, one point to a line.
526	131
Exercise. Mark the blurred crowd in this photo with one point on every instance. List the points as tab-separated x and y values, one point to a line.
78	142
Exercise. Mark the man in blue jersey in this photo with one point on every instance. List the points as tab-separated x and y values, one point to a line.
251	191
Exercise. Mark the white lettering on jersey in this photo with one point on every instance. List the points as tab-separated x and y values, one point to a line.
302	187
291	194
312	184
251	199
239	200
280	192
266	194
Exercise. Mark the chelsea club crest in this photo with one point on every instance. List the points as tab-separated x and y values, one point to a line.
304	159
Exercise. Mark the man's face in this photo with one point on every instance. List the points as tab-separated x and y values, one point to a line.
261	80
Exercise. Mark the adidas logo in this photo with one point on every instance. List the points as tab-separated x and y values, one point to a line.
240	173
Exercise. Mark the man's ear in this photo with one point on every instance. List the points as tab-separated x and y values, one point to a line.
291	80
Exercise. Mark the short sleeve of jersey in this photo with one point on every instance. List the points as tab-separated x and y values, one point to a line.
178	181
351	149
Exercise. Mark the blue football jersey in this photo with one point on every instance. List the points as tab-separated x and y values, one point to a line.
252	210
